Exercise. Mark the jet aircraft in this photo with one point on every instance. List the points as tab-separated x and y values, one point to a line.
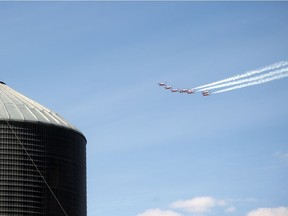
189	91
205	93
162	84
168	87
183	90
174	90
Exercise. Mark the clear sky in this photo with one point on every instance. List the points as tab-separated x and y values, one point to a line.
151	152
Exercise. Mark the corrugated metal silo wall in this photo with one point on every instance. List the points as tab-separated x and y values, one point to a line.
60	155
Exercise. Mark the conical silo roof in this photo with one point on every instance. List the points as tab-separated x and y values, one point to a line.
14	106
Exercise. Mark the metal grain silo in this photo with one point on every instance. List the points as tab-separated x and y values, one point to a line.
42	160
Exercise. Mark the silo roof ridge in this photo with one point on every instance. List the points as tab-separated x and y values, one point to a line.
14	106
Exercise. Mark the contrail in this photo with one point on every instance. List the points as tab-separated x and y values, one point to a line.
247	74
251	79
269	79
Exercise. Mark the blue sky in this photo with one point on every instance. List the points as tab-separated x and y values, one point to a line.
151	152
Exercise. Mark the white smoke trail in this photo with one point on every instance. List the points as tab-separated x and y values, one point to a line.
258	82
247	74
255	78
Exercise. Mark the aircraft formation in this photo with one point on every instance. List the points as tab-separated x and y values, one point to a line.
255	77
187	91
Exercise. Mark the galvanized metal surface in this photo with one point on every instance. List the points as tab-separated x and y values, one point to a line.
16	107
